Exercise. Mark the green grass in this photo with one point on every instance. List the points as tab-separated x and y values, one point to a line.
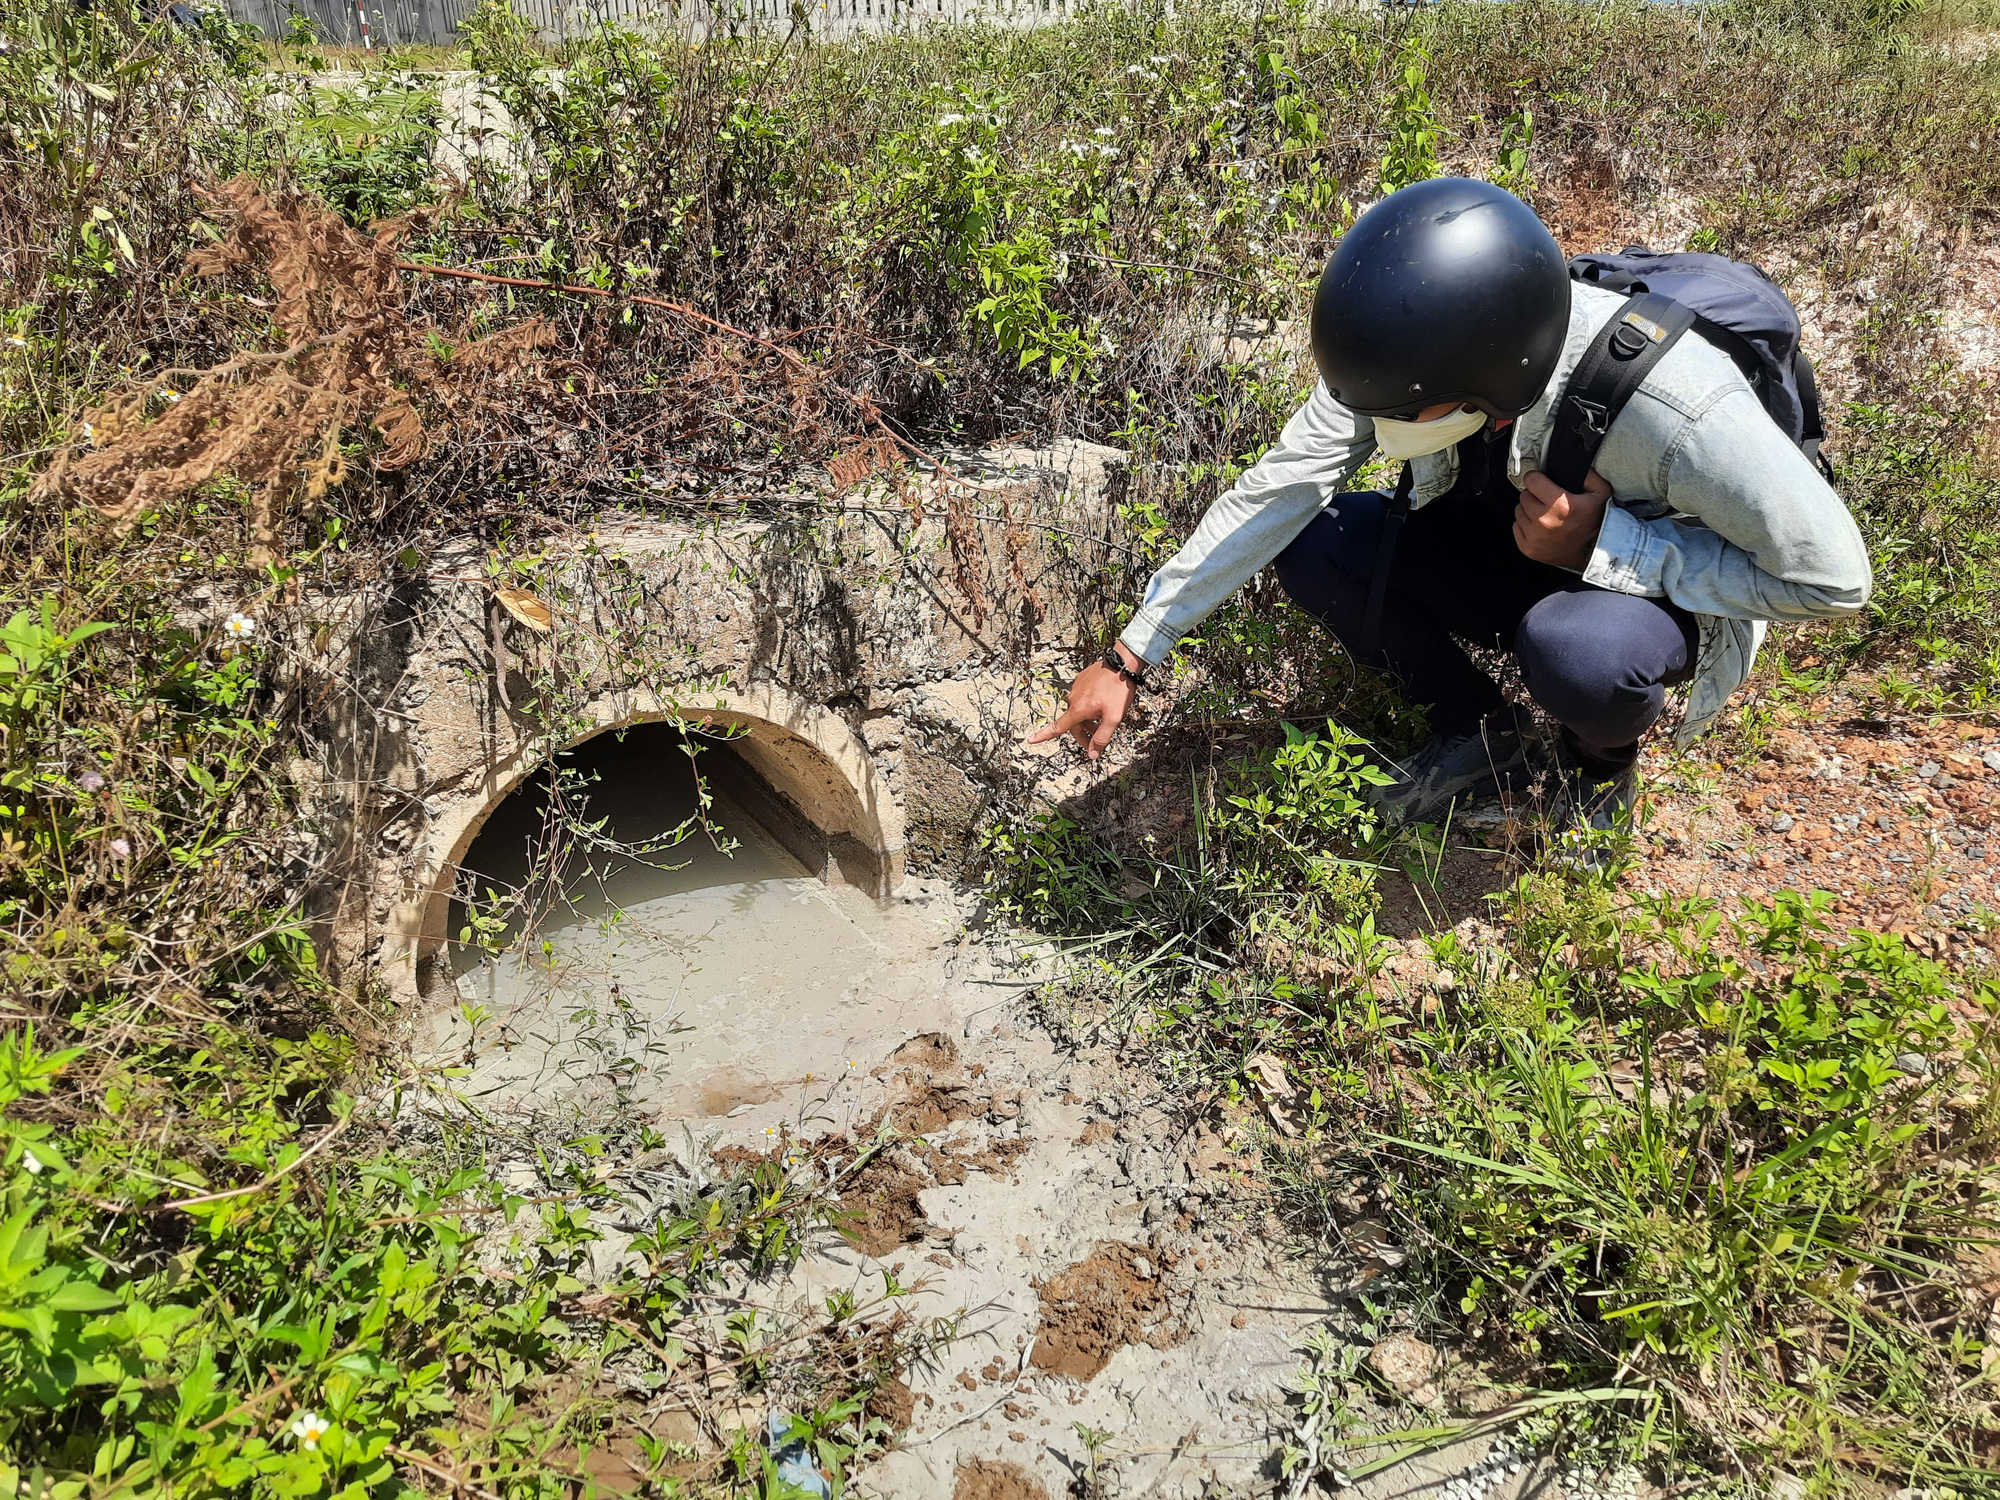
1730	1170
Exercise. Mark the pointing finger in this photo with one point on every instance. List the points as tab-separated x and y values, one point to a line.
1056	730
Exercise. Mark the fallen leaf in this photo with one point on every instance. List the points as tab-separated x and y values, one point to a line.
1371	1237
526	608
1269	1075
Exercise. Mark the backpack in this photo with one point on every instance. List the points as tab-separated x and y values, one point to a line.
1730	303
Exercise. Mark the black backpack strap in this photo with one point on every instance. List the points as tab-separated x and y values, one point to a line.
1814	432
1609	374
1385	554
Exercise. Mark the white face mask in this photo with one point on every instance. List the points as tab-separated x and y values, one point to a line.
1401	439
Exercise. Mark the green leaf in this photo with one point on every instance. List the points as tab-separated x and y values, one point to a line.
79	1295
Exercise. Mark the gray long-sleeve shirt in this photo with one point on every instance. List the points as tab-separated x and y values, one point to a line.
1712	507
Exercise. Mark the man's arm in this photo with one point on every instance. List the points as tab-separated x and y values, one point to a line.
1775	542
1252	522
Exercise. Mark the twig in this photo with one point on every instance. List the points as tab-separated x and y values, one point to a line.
597	291
242	1406
257	1187
404	1455
1020	1369
796	361
1156	265
471	1208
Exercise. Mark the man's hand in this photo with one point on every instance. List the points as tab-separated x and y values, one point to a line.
1099	699
1554	525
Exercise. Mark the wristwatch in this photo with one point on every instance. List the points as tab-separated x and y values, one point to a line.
1116	662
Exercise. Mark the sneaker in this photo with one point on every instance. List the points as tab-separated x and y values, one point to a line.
1447	769
1588	813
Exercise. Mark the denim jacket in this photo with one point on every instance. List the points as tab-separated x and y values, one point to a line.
1712	507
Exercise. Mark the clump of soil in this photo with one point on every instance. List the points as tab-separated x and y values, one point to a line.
935	1092
882	1211
949	1163
1115	1296
992	1479
886	1214
893	1402
882	1196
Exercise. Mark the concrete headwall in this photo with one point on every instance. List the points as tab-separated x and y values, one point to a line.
876	681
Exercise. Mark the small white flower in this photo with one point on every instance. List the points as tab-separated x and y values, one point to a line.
951	119
121	847
309	1427
240	625
973	153
770	1132
91	780
17	341
170	393
1104	130
853	1066
32	1162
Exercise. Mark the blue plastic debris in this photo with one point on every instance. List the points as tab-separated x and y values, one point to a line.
794	1459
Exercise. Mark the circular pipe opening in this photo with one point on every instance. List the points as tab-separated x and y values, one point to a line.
795	768
632	922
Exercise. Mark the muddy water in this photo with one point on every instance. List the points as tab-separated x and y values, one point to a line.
702	981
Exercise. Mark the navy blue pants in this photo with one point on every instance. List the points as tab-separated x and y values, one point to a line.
1600	663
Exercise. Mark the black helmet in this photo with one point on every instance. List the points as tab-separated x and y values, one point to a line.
1447	290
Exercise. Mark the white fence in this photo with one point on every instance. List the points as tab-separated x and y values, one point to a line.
340	22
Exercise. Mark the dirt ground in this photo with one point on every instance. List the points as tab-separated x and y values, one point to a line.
1893	819
1117	1300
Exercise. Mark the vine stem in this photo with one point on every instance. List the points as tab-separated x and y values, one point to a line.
681	309
789	356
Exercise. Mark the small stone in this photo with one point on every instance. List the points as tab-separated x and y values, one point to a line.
1883	820
1913	1063
1929	769
1404	1361
1991	760
1782	823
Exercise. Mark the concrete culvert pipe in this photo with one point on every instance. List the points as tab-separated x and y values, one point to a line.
650	916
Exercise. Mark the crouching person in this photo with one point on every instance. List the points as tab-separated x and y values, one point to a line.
1449	334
